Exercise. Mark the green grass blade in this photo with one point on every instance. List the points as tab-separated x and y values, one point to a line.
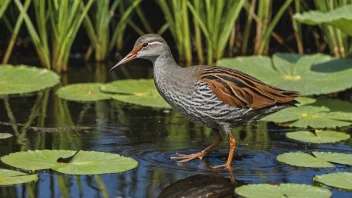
273	23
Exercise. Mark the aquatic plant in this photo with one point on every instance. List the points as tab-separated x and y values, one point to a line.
63	20
308	74
70	162
216	19
23	79
98	26
176	15
334	18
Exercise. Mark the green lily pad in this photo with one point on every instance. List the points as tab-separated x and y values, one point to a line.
284	190
259	190
308	74
5	135
318	137
83	92
320	114
303	160
338	180
84	163
23	79
140	92
339	158
305	101
10	177
340	17
303	190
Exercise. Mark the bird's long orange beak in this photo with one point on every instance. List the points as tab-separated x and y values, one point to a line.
132	55
127	58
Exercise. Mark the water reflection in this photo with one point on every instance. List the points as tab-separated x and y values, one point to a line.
150	136
199	186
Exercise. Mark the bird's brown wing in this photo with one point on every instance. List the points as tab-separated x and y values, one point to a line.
241	90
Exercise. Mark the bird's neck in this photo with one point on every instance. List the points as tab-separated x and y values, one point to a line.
168	76
165	66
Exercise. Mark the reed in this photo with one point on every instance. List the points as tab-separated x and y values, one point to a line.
176	15
3	6
266	25
98	26
15	30
216	19
58	22
339	43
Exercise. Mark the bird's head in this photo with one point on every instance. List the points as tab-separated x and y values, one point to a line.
148	46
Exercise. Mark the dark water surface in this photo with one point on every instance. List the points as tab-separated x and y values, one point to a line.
151	136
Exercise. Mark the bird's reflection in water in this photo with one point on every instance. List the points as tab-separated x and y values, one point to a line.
200	186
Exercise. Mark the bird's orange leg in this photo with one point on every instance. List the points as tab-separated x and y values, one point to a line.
200	155
231	152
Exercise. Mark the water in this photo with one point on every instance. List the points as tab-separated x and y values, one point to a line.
151	137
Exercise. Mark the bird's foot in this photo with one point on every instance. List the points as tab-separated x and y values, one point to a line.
227	165
186	158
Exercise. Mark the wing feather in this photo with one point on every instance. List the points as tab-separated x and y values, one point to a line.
241	90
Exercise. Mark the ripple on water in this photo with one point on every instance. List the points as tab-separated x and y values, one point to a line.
248	161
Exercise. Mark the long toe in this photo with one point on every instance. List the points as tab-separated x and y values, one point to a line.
228	166
186	158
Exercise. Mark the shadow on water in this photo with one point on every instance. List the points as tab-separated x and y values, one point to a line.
150	136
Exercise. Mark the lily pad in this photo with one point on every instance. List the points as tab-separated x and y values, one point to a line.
140	92
340	17
10	177
84	163
320	114
339	158
23	79
284	190
338	180
5	135
303	160
308	74
318	136
83	92
259	190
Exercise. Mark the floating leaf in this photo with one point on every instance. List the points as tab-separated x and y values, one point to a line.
84	163
284	190
23	79
83	92
305	101
10	177
308	74
320	114
259	190
303	190
339	180
5	135
340	17
140	92
339	158
318	137
303	160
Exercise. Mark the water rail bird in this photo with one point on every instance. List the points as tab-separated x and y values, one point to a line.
217	97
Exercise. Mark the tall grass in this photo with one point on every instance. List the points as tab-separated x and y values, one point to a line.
98	25
266	25
58	22
216	19
339	43
15	30
176	15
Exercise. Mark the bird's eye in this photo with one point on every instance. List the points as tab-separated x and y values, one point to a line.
145	44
